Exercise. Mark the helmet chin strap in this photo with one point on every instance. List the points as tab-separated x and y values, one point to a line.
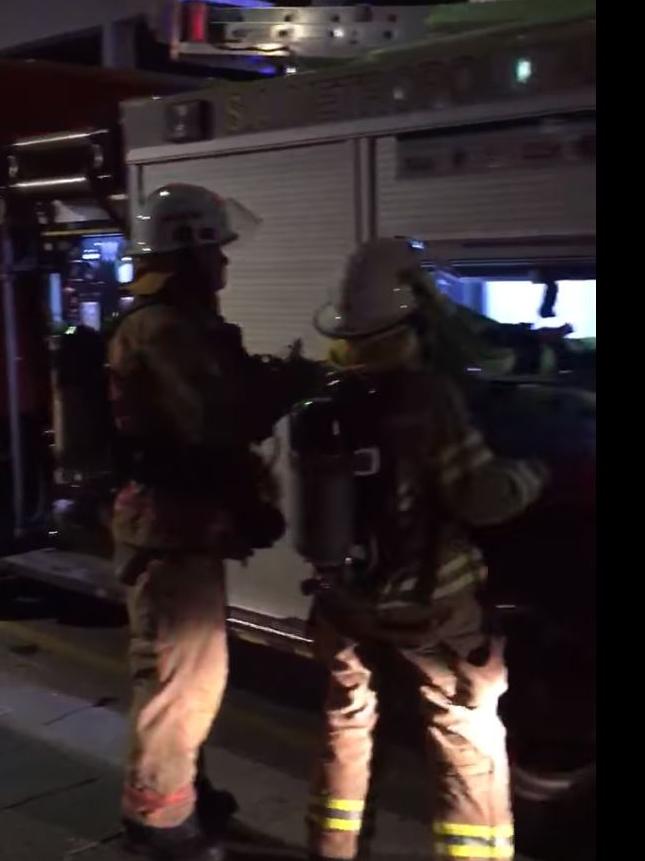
190	282
396	348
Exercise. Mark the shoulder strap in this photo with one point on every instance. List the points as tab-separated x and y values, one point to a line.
138	305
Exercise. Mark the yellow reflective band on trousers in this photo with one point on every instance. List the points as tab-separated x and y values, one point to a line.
337	814
459	829
348	805
456	850
463	840
330	823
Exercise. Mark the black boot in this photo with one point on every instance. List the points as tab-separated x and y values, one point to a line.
214	807
185	842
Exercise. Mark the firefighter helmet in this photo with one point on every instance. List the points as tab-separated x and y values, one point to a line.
376	292
179	216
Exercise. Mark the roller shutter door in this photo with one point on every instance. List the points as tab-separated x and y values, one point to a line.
479	187
305	197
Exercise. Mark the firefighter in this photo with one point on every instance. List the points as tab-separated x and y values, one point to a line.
411	588
189	403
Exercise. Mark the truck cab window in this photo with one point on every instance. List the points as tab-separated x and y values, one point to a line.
518	300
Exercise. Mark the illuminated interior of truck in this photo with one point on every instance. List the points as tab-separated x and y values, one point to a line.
520	298
90	288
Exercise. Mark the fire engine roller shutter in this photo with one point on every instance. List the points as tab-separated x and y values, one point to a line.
450	188
305	196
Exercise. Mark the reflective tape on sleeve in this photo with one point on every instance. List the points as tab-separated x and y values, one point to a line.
466	581
474	461
451	452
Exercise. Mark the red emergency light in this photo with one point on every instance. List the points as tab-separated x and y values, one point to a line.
196	21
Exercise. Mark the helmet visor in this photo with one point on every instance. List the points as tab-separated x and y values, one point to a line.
232	223
243	223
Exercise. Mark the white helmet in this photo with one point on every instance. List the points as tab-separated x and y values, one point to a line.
179	216
375	293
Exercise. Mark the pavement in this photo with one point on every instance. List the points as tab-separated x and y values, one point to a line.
63	718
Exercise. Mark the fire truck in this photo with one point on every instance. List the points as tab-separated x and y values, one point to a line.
479	141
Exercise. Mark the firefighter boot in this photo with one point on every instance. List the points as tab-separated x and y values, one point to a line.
185	842
214	807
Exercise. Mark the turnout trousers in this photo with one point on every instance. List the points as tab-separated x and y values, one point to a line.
458	686
179	663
